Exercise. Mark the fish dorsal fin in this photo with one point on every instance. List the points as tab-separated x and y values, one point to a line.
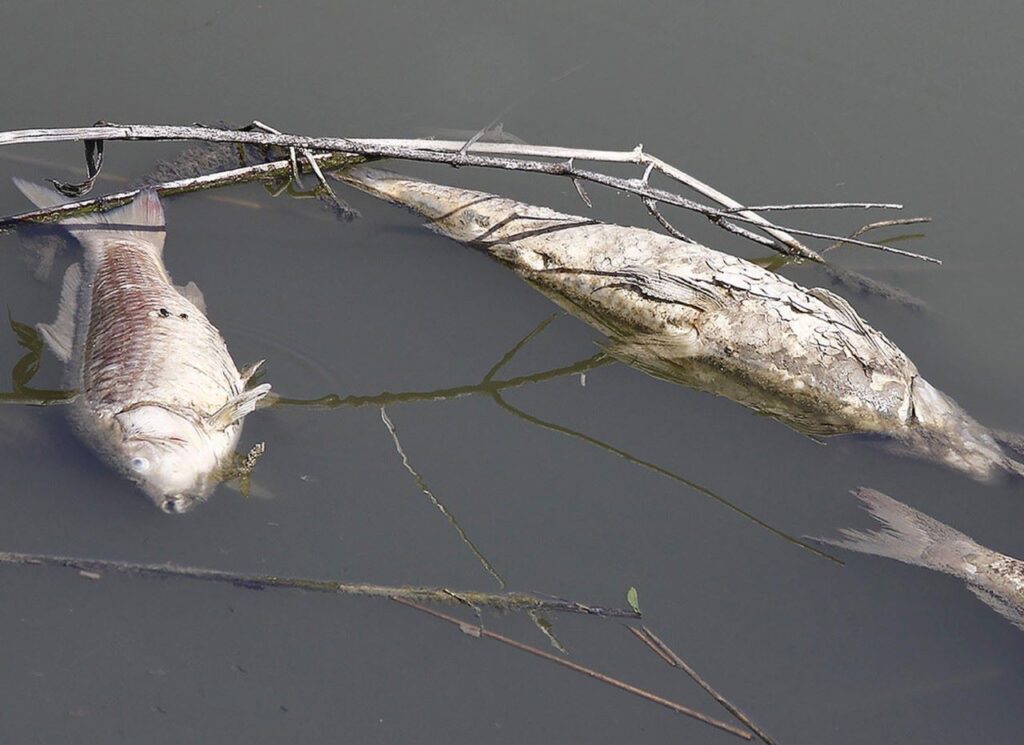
237	408
60	334
142	218
194	295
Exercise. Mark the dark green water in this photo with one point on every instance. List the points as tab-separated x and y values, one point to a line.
919	104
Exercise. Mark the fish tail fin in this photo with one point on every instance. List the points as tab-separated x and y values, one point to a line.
142	218
907	535
952	436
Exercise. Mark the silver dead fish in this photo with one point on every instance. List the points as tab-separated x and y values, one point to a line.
715	322
914	538
158	395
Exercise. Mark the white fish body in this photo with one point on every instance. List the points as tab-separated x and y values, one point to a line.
158	395
915	538
686	313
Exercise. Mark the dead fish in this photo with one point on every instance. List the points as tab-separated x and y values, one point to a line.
158	395
914	538
686	313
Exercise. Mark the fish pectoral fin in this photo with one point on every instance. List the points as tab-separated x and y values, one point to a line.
59	335
249	371
238	407
193	294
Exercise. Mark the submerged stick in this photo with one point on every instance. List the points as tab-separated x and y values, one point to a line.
659	647
334	401
421	484
472	630
497	600
630	458
513	156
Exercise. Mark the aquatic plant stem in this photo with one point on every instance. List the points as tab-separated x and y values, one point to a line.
508	156
476	631
506	601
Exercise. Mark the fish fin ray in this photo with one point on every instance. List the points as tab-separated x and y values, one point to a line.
659	284
907	535
142	218
193	294
59	335
238	407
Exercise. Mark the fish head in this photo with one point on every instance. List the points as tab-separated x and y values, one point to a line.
172	455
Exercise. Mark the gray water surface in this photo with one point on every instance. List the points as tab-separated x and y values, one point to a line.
918	103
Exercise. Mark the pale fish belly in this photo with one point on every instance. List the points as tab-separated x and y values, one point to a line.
145	342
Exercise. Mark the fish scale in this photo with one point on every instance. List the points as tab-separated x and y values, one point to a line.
132	350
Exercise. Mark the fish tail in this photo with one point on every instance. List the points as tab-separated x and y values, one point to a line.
142	218
907	535
954	437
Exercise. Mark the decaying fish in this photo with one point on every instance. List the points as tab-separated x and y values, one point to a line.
914	538
715	322
159	397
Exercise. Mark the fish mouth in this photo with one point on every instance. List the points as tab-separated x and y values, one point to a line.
177	504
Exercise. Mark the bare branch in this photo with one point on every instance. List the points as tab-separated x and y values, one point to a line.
880	224
248	174
500	601
456	153
822	206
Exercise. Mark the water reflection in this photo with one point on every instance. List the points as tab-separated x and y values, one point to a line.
490	385
914	538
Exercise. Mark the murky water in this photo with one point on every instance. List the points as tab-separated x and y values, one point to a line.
912	104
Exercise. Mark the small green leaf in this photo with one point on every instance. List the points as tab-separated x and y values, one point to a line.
632	599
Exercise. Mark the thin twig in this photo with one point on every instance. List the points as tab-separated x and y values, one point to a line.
499	601
649	638
476	631
455	153
822	206
248	174
422	485
879	224
652	207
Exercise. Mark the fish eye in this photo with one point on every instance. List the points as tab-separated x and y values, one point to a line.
139	464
